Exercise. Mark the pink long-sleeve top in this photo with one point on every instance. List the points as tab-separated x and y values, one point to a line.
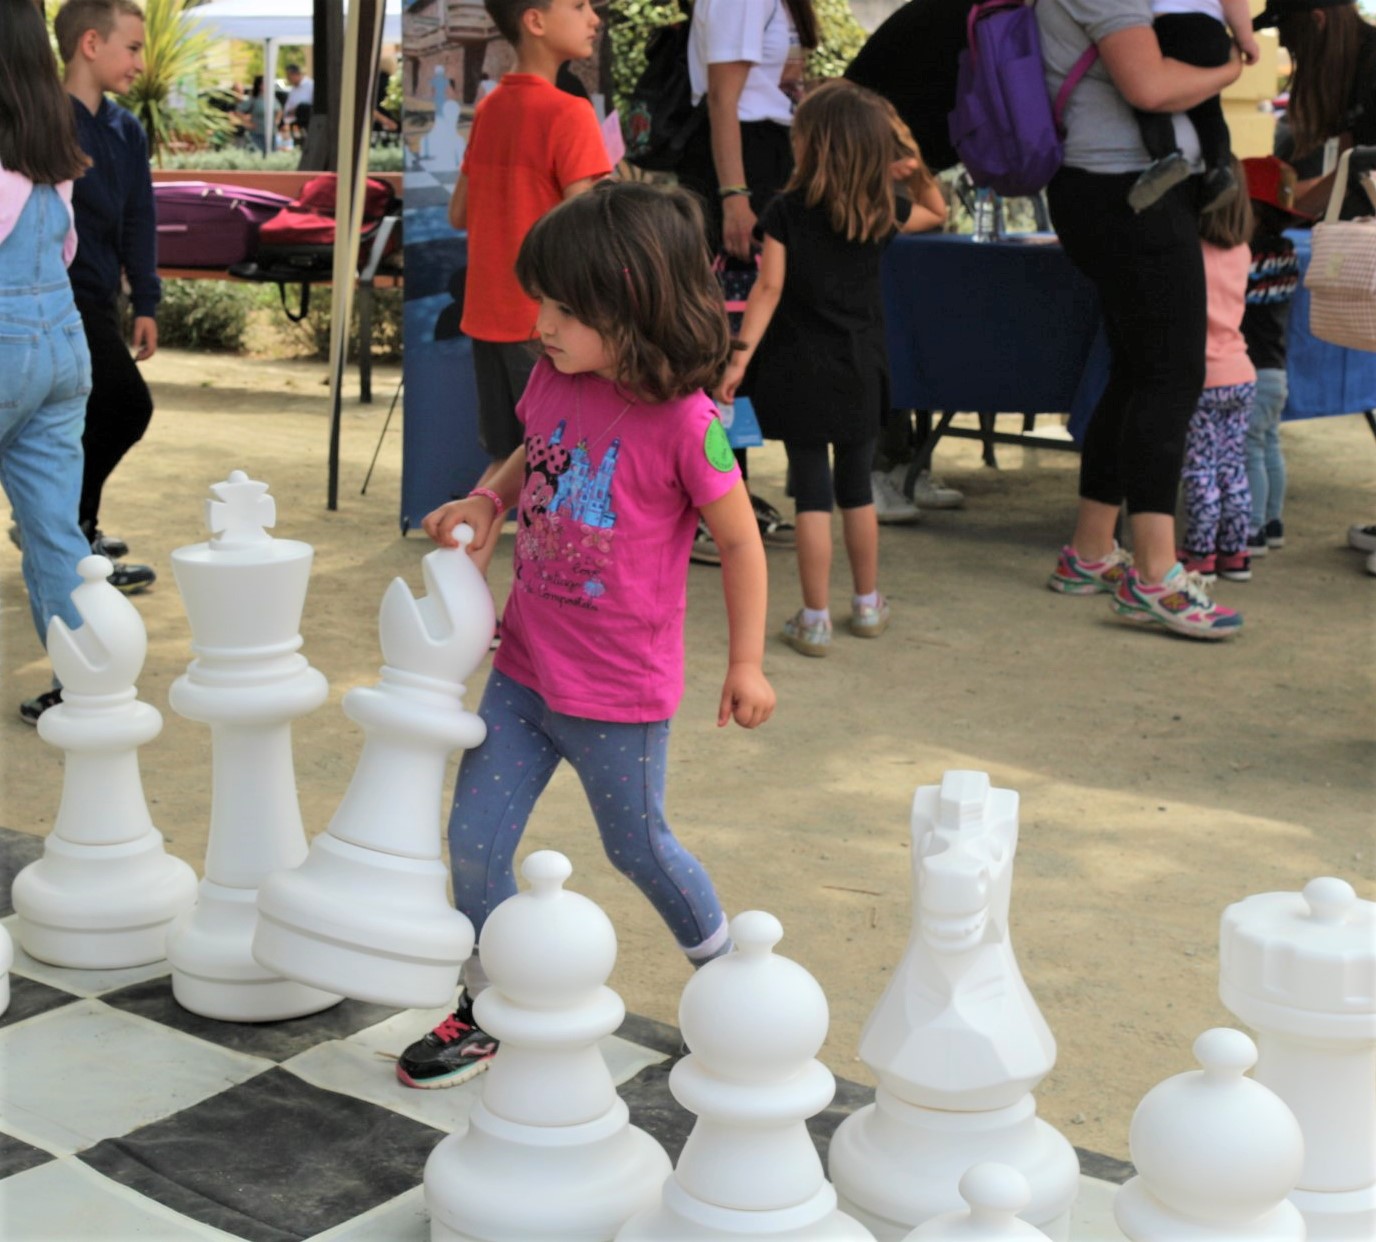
15	189
1225	351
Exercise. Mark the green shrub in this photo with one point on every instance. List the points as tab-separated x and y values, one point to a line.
240	159
205	314
313	332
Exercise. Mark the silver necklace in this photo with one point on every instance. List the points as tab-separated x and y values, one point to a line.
587	444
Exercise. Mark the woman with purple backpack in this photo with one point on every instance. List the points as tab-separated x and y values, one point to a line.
1149	272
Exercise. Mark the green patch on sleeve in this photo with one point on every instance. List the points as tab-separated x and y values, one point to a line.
717	446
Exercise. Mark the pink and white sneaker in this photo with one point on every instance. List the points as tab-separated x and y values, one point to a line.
1179	604
1072	576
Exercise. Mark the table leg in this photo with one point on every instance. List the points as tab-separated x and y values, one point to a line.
922	460
365	342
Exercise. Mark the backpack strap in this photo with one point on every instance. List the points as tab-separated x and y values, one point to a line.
1072	80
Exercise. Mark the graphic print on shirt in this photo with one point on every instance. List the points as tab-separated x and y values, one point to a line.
564	536
1274	274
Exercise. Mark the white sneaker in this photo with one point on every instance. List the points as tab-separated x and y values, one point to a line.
890	505
1363	538
929	492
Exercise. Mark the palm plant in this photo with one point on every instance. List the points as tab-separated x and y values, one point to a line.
165	97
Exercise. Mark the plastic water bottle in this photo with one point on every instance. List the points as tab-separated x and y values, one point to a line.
986	223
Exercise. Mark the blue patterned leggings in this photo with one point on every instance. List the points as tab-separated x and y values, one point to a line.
622	768
1218	501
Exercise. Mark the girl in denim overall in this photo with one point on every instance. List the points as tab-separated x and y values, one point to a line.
45	367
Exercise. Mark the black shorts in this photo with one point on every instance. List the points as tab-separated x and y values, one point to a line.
501	369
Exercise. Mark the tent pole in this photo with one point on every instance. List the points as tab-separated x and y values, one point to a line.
270	96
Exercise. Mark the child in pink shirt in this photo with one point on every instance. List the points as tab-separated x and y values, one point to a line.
1218	501
622	452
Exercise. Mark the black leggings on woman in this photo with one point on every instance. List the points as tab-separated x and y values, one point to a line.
1149	271
815	482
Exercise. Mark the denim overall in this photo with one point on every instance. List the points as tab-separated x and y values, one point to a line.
45	378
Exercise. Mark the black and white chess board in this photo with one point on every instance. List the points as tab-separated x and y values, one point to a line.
124	1116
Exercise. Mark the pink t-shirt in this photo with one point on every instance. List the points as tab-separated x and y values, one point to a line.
608	510
1225	351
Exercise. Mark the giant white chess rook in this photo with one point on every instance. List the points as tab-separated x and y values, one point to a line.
956	1042
104	893
244	592
754	1022
1216	1154
1300	969
549	1154
367	913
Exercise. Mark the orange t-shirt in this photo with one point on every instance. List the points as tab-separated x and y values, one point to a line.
529	142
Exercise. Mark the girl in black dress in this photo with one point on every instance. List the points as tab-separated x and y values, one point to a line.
813	333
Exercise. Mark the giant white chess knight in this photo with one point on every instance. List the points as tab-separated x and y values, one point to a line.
952	1146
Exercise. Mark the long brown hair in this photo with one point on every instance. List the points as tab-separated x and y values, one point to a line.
846	138
804	22
37	128
631	262
1233	223
1324	64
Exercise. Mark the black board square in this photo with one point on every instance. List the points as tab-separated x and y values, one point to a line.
29	997
274	1041
16	1156
273	1159
17	851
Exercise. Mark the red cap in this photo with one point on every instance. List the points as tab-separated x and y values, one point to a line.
1272	181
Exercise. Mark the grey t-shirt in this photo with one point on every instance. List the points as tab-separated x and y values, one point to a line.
1101	129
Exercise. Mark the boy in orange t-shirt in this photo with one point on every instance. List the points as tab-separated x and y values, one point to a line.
531	146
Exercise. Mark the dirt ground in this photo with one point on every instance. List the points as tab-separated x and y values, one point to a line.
1160	779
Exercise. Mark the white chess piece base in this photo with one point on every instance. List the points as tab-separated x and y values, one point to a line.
1338	1216
101	907
213	971
683	1218
1144	1218
905	1163
377	927
502	1180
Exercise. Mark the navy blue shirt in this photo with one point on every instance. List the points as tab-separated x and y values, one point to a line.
116	222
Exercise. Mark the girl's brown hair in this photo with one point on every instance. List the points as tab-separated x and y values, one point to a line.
1324	65
37	128
846	138
804	22
1233	223
631	262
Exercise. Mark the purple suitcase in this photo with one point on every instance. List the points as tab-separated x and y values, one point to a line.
205	225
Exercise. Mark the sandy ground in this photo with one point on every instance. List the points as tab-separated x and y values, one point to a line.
1160	779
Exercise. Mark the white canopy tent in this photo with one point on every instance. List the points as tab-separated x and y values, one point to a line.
273	23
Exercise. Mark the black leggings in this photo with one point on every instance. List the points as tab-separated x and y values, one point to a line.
118	410
1195	39
1149	271
815	482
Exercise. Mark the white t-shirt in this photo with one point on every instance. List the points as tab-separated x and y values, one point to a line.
302	93
751	30
1209	8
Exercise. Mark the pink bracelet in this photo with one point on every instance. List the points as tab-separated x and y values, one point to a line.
488	494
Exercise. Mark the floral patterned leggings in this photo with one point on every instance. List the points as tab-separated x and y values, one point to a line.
1218	501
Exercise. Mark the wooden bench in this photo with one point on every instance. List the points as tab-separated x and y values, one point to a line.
288	184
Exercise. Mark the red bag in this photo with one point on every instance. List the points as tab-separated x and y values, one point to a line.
300	238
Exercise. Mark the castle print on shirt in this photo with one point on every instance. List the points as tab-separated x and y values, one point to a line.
565	529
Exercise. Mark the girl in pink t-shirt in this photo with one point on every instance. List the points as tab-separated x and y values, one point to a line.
1217	498
622	452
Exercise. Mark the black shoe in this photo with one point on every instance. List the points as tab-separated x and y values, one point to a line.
455	1051
110	546
31	709
1257	545
1219	188
16	536
1275	533
1158	180
775	530
130	579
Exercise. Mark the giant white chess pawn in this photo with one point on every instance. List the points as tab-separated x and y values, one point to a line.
549	1154
754	1022
1216	1154
244	592
1300	969
996	1194
105	892
367	913
956	1042
6	961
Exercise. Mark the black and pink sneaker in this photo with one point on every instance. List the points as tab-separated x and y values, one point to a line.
455	1051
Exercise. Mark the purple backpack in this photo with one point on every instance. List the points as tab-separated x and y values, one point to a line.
1003	126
